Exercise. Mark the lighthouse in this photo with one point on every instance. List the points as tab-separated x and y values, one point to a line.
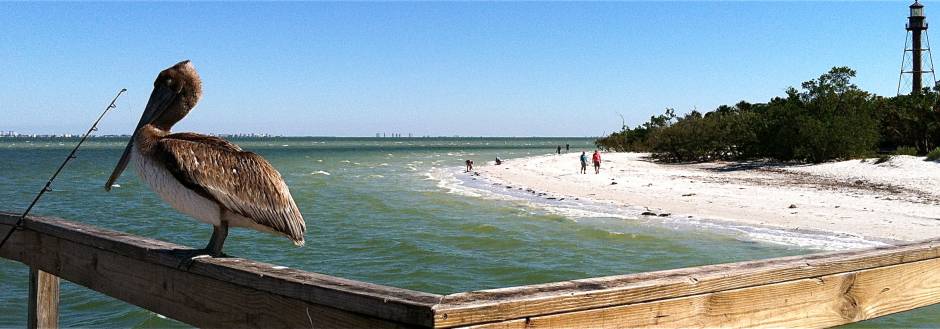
919	44
915	25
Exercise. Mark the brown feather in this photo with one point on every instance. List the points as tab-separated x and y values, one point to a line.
204	139
242	182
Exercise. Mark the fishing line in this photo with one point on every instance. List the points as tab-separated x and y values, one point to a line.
47	188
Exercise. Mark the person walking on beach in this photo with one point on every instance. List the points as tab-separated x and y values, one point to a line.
567	147
558	150
597	161
583	162
469	165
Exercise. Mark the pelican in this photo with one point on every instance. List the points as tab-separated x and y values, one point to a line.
208	178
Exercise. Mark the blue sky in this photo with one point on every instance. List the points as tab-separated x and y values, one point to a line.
469	69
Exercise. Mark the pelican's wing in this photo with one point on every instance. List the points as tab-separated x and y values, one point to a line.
203	139
243	182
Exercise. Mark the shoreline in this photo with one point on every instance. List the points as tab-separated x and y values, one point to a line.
858	201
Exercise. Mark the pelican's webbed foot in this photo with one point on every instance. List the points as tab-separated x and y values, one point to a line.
213	249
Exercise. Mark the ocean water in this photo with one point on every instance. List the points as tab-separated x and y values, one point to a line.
397	212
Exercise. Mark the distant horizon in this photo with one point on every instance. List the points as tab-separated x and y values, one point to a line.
249	135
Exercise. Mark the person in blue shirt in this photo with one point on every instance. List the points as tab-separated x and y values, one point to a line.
583	162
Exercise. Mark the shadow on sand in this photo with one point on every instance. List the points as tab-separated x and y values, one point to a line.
751	165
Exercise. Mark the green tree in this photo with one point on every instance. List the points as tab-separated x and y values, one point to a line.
828	118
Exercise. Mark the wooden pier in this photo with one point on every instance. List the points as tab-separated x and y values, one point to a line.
819	290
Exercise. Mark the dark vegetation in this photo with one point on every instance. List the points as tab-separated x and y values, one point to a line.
829	118
934	155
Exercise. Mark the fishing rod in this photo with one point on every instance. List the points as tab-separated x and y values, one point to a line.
47	188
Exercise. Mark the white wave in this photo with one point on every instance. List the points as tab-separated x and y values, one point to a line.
813	241
320	172
572	212
447	180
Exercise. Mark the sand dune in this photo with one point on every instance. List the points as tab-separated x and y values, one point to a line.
898	200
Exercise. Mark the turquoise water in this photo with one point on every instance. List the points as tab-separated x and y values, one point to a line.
377	210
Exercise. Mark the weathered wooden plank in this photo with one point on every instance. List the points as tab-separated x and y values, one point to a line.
52	245
386	302
43	308
194	299
527	301
807	303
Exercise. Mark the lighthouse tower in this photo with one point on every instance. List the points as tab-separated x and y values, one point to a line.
916	29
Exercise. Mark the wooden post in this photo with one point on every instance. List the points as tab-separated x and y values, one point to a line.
43	300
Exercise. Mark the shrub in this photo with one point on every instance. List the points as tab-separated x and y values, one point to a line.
728	133
906	150
829	118
934	155
909	120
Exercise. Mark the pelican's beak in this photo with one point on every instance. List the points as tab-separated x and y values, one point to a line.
161	98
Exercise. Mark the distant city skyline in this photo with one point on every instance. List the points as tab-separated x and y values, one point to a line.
431	69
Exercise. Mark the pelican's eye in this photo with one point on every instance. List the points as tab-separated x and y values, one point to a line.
169	82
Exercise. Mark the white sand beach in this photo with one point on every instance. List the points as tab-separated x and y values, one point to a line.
894	201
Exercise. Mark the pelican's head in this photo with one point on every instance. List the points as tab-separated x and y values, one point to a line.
175	92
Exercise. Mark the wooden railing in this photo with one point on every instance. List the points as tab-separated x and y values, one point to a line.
818	290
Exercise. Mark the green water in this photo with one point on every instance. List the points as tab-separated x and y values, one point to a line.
377	210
